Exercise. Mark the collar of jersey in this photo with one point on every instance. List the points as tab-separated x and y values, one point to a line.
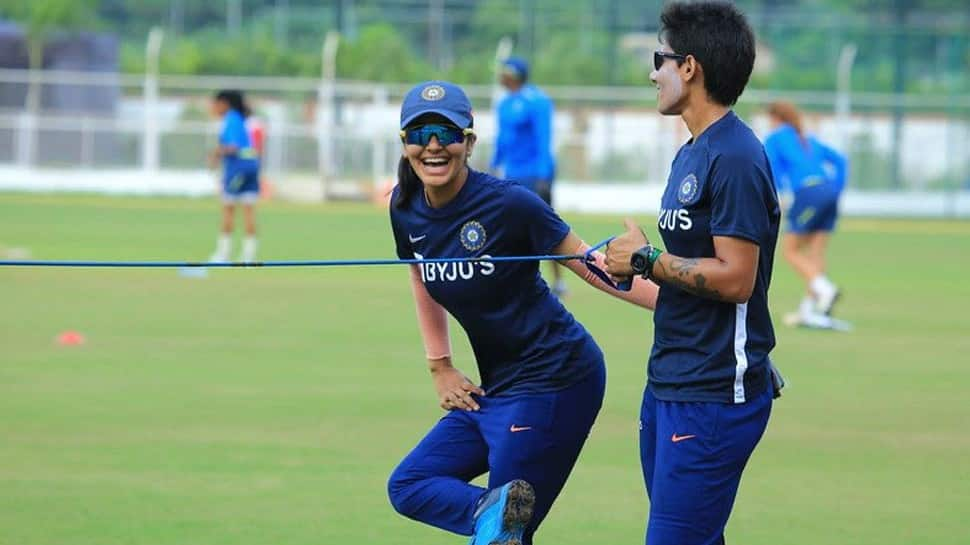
420	203
716	126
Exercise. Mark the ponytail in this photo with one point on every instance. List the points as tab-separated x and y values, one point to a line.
408	183
788	113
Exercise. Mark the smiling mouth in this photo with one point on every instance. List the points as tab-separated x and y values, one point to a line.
435	162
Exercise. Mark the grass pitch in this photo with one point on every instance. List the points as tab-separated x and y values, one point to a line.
269	406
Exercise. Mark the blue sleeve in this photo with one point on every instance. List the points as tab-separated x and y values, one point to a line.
739	199
779	169
838	163
512	111
501	134
537	222
234	132
543	125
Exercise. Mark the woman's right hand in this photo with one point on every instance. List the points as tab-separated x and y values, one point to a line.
455	390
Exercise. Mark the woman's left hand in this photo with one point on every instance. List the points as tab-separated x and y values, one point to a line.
620	250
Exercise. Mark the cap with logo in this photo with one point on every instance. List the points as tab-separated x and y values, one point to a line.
437	97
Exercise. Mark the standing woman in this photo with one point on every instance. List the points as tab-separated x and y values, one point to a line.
543	376
240	174
709	390
815	175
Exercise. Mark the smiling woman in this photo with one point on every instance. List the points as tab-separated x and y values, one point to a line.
711	384
438	151
543	373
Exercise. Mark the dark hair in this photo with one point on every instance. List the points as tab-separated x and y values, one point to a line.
717	34
235	100
408	182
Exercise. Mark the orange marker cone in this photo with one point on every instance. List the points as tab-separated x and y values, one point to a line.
70	338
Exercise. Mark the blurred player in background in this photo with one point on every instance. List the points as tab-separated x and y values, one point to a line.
815	175
710	388
240	174
543	376
523	148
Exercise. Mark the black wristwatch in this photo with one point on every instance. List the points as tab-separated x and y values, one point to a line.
643	259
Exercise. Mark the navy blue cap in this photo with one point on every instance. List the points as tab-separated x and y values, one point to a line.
516	67
437	97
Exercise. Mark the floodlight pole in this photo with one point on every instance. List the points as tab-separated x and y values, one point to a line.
843	96
325	118
150	138
502	51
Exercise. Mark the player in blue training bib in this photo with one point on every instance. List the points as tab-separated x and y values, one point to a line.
240	174
709	390
523	145
542	375
815	176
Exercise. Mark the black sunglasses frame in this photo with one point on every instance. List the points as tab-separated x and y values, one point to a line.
659	57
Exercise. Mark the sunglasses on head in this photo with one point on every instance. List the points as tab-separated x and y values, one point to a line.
659	57
446	134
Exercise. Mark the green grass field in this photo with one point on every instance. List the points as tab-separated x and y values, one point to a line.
268	406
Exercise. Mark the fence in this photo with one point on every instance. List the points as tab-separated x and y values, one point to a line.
340	137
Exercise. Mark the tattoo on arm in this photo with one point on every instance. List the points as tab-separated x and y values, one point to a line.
682	274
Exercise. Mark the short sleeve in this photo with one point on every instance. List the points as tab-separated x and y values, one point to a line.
739	199
538	223
401	243
233	131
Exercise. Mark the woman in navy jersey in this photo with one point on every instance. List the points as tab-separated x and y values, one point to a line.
542	375
710	388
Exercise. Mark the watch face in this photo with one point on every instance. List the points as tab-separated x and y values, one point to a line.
639	263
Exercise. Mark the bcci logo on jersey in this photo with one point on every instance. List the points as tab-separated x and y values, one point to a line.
688	189
472	236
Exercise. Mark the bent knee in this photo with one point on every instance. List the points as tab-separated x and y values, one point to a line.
398	491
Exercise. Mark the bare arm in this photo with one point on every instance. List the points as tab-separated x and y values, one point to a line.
453	387
432	321
643	293
729	276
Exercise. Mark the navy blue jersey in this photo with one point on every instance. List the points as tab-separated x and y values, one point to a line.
720	185
524	340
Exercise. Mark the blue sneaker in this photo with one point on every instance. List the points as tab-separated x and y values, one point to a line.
503	514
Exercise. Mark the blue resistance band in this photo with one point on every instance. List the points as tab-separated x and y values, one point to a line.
262	264
590	262
300	263
587	258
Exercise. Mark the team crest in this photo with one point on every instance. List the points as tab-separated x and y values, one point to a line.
688	189
472	236
433	92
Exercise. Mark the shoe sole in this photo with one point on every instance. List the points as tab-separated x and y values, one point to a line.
518	511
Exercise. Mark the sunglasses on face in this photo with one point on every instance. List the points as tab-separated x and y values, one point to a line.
446	135
659	57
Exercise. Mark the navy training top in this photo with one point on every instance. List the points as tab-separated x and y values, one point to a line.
524	339
704	350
